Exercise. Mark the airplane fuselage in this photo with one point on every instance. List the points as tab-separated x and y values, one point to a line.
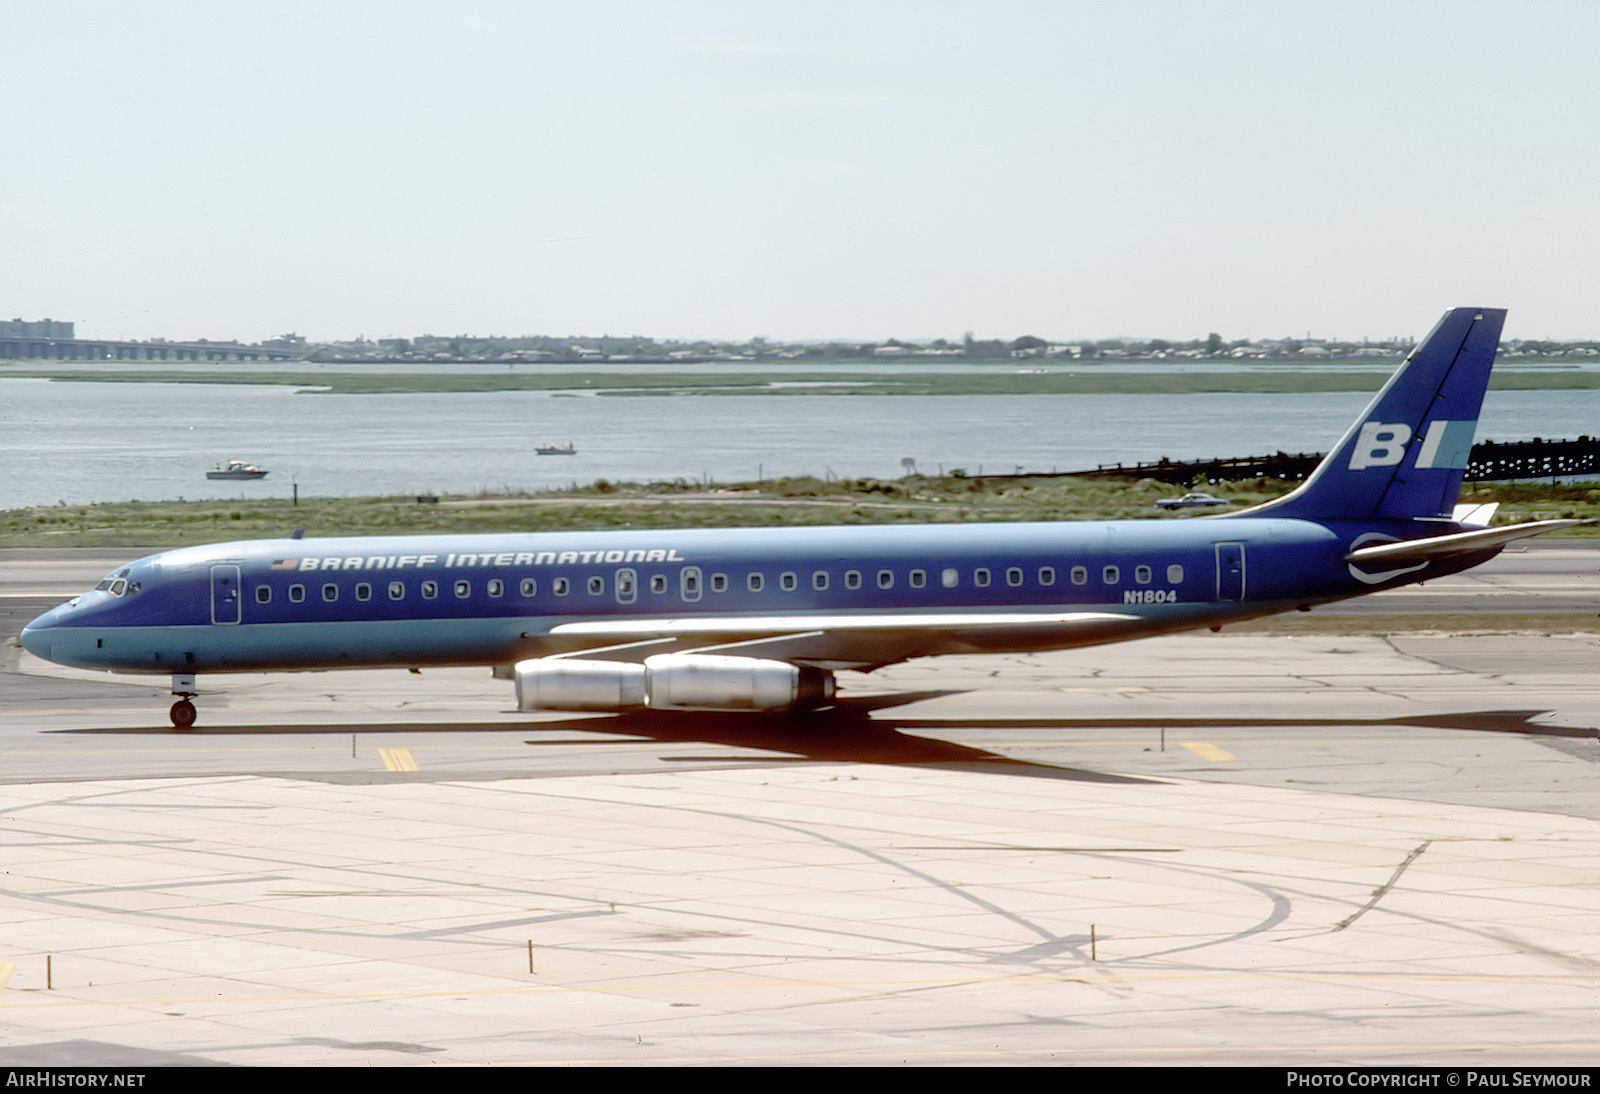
408	601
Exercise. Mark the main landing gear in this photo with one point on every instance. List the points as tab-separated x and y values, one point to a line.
183	713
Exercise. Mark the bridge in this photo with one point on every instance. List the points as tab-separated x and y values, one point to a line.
1491	461
97	349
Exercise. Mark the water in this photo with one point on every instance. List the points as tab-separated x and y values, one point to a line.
885	367
88	442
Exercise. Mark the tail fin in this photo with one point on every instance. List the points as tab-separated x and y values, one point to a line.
1407	453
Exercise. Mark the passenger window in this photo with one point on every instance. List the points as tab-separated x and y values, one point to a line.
949	578
852	579
753	583
529	586
1013	577
819	579
297	593
397	590
980	578
658	583
496	587
1141	574
1110	575
1047	575
789	581
263	594
363	591
561	586
430	589
597	586
918	578
719	583
330	593
885	579
463	589
1174	574
1080	575
689	583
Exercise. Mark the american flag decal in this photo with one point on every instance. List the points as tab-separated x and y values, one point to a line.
286	564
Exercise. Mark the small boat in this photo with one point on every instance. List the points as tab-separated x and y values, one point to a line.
236	469
555	449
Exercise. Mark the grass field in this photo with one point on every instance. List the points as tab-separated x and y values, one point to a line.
604	505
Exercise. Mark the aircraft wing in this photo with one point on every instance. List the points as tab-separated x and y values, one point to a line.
1457	543
839	641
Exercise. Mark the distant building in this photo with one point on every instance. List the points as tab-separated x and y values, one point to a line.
44	328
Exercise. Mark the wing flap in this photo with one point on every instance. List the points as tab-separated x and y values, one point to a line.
756	625
851	641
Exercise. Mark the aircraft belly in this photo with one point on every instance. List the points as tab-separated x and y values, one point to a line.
290	646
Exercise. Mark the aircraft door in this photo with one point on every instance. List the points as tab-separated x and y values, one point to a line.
627	586
224	594
1230	571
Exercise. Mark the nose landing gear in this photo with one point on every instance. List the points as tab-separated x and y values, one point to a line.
183	713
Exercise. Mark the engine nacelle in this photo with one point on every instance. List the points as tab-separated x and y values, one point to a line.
672	681
705	681
560	683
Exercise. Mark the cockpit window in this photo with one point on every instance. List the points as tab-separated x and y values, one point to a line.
113	585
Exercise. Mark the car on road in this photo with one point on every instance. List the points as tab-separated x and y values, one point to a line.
1192	501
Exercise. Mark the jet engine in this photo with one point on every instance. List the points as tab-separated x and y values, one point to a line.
675	681
705	681
560	683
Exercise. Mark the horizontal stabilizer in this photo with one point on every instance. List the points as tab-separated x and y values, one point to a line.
1458	543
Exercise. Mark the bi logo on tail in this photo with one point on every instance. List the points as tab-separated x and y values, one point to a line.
1383	444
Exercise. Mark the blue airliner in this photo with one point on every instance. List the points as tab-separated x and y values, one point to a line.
760	619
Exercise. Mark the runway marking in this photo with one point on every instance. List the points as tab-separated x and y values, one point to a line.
512	748
1583	982
1208	751
398	759
1134	737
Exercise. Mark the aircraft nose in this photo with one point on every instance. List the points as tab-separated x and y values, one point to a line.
35	642
36	636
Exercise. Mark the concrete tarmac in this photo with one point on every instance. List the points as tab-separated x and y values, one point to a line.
1200	849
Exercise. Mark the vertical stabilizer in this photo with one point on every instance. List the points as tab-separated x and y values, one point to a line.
1407	453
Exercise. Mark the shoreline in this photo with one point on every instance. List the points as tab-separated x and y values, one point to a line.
1086	380
603	505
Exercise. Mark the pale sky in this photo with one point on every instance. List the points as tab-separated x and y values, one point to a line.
799	170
